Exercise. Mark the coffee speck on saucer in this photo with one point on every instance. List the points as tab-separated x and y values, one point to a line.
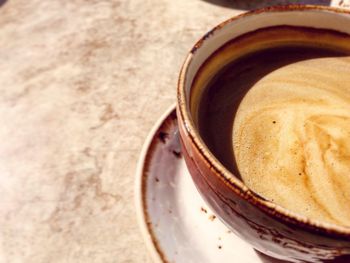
163	136
212	217
177	154
204	210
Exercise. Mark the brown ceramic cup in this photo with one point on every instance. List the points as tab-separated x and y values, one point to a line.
269	228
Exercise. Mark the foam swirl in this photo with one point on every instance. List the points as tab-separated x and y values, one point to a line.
291	138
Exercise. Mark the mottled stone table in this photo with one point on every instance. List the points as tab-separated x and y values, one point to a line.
82	82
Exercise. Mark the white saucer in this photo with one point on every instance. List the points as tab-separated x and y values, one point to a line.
176	223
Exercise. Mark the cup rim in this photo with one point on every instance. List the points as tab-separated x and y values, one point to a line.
219	170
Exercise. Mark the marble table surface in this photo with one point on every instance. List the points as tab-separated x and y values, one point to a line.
82	82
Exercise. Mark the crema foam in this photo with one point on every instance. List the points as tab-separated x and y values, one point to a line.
273	106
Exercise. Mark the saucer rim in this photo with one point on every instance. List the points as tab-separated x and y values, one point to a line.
142	216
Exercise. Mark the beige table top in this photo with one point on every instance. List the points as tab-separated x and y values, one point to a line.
82	82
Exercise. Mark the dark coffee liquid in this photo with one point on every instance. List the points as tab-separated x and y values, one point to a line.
222	96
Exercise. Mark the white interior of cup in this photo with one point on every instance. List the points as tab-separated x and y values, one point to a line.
315	18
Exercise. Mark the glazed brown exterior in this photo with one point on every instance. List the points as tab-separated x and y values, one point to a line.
268	233
272	230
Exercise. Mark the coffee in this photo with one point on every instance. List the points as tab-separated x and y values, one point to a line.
278	116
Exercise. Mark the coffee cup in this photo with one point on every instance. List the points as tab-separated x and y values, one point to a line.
269	227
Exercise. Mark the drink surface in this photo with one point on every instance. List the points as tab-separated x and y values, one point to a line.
279	118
